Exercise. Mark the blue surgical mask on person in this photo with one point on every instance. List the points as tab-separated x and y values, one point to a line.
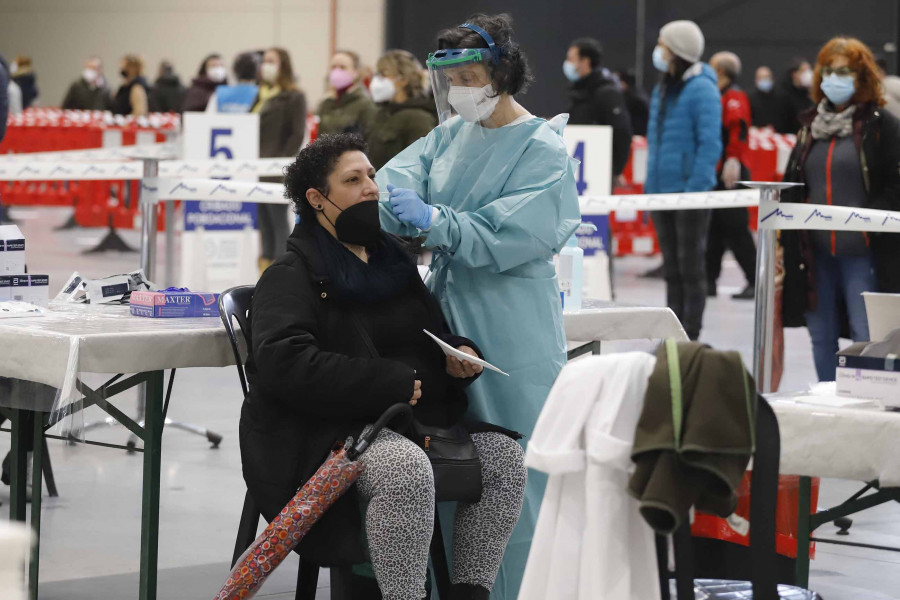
659	59
765	85
839	88
571	71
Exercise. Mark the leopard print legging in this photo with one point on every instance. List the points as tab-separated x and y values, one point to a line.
398	486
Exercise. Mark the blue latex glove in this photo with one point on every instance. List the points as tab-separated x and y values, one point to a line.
409	208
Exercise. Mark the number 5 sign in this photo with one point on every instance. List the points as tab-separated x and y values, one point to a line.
219	243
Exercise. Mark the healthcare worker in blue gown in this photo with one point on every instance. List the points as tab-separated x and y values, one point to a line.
492	190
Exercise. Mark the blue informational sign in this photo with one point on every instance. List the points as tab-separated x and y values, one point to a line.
591	146
219	216
594	241
236	98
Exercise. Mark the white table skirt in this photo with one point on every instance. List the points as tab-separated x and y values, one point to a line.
607	321
860	444
73	339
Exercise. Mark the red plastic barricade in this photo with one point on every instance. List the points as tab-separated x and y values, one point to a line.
97	203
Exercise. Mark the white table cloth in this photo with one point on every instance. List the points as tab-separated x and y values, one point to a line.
608	321
72	339
860	444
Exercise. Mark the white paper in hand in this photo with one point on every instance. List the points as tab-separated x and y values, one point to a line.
451	351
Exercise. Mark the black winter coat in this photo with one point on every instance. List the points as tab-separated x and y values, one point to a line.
791	103
315	378
27	82
166	95
198	95
876	133
597	100
4	97
84	96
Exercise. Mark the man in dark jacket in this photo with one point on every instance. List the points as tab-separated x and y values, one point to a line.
167	93
793	96
763	103
729	227
90	91
4	109
4	97
636	100
595	97
22	72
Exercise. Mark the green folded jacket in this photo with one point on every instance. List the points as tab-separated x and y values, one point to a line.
695	436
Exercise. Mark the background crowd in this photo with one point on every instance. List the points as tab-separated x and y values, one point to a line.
697	111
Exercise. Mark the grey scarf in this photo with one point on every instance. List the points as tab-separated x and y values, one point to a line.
828	123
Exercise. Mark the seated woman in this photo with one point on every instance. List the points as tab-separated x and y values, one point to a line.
336	339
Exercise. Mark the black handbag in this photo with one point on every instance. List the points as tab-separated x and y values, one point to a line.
454	460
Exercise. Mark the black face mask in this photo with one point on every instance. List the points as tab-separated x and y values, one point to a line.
124	74
359	225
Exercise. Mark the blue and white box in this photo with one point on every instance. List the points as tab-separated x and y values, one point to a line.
12	250
34	289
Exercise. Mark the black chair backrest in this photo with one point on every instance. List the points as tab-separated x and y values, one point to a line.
234	305
763	502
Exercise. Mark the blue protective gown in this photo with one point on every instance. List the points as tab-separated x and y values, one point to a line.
507	203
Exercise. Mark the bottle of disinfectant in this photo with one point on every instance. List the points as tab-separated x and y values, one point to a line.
571	270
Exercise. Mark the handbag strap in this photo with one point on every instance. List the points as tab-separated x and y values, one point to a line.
401	410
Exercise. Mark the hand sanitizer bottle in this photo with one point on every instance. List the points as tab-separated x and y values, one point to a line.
571	267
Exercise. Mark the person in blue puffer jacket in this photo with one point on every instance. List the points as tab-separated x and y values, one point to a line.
684	138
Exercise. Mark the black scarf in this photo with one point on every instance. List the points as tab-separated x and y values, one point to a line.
386	275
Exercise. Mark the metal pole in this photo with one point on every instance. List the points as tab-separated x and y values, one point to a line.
764	319
640	33
149	206
170	244
149	195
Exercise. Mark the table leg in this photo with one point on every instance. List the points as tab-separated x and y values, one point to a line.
18	456
153	428
37	487
803	532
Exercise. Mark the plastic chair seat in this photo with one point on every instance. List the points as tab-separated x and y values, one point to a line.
726	589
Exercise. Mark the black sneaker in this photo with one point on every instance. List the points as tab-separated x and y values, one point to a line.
655	273
749	293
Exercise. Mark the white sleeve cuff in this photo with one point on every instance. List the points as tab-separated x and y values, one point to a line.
434	215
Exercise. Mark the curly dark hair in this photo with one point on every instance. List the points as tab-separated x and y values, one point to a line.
313	166
511	75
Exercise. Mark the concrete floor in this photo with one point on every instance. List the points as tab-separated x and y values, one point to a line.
91	532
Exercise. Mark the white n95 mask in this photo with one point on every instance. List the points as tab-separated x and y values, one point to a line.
473	104
382	89
268	72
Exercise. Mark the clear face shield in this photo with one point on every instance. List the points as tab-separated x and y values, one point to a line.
463	92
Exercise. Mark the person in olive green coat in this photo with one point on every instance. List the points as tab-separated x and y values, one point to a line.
348	107
404	112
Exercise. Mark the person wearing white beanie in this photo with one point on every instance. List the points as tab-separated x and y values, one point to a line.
684	39
684	139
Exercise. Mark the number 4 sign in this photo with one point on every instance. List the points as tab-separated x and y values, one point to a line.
591	146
